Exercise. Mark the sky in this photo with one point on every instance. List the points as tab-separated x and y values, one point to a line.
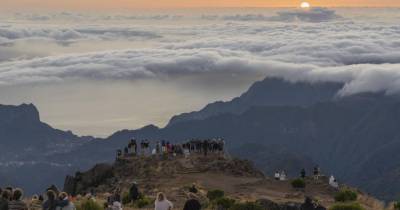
132	4
102	71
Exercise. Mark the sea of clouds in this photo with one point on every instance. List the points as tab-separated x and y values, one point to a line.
298	45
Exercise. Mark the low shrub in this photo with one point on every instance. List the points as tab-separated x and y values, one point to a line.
214	194
247	206
223	203
126	198
143	201
346	196
346	206
298	183
89	204
397	205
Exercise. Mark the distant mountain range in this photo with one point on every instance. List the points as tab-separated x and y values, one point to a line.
277	124
28	146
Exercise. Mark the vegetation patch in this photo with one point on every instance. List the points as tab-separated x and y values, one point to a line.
223	203
397	205
215	194
298	183
247	206
346	206
346	196
88	204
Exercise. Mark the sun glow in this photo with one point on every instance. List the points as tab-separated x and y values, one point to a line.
305	5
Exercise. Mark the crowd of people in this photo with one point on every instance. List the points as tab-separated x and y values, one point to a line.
13	199
282	176
145	148
161	202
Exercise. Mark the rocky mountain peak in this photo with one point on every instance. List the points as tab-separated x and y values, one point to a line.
21	113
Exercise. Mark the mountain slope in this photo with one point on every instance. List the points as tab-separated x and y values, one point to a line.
239	179
355	137
28	148
344	136
269	92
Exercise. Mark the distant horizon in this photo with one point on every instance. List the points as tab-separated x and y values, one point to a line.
108	5
191	8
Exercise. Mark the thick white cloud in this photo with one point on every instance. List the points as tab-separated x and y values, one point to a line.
65	35
319	45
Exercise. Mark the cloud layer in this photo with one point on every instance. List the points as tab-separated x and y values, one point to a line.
309	45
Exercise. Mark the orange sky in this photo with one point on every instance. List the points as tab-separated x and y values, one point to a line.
132	4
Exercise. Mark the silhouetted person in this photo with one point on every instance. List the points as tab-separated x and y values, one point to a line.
193	189
51	202
134	192
307	205
4	199
205	147
303	173
316	172
192	203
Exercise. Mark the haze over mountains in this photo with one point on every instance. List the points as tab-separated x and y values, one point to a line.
277	124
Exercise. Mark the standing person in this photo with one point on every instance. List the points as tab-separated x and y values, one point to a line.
205	147
192	203
119	154
129	148
126	152
158	148
35	204
277	175
134	147
51	202
316	172
162	203
169	147
4	199
134	192
303	173
283	176
17	203
186	150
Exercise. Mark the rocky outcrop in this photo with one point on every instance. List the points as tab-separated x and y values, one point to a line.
104	177
85	182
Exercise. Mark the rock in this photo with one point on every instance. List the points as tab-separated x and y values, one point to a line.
91	179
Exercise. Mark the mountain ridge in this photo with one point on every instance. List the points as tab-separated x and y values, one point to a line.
344	135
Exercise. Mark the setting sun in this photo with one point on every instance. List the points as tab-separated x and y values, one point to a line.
305	5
